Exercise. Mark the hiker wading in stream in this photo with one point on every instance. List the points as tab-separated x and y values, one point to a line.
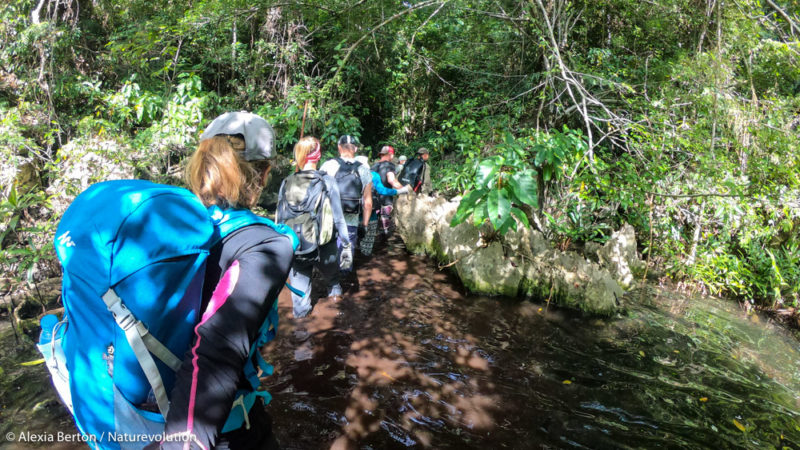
355	189
309	203
255	260
384	203
367	240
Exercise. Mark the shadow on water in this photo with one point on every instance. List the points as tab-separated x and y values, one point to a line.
408	360
411	361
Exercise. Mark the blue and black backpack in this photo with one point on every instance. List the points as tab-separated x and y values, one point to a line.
133	255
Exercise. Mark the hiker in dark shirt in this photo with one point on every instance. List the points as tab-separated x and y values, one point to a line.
245	273
387	171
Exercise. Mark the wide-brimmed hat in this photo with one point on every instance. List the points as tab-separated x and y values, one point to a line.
259	137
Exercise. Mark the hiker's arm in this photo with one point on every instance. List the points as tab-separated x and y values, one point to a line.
209	376
367	211
380	188
336	206
393	181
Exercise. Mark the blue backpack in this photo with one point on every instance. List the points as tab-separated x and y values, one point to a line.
133	255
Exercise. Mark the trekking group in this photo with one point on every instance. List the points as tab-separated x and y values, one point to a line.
169	294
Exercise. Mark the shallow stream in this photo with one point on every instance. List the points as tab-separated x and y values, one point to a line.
407	360
410	361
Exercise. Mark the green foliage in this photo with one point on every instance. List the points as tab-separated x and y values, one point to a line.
693	106
23	240
501	185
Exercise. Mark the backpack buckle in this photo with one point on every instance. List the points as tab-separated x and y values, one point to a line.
122	315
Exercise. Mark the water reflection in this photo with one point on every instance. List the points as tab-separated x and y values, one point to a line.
409	361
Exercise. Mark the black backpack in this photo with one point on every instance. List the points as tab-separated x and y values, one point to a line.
412	173
350	186
383	168
304	205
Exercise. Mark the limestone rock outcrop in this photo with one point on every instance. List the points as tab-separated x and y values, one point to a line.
522	263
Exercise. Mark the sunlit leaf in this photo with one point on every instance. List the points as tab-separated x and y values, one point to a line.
524	185
703	399
479	214
466	206
520	215
35	362
498	206
739	425
567	382
487	169
641	353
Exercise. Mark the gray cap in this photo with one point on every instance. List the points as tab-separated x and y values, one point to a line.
402	158
422	151
259	137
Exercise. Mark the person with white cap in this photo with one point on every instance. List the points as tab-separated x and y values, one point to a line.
229	170
355	188
401	161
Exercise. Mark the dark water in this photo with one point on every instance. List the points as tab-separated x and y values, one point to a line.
407	360
411	362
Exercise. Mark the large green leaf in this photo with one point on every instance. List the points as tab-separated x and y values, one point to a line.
480	213
498	206
524	185
519	214
506	225
466	206
487	170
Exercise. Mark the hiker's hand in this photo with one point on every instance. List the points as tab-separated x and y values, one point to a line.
346	258
403	190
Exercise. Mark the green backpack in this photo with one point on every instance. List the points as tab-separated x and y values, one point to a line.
304	205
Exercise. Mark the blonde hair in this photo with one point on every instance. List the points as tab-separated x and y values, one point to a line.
302	149
219	175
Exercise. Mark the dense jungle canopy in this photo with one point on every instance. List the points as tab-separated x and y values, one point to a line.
676	116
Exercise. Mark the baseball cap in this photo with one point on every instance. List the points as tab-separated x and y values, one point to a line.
349	139
258	135
387	150
402	158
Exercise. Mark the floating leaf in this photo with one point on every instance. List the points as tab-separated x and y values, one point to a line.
567	382
676	351
35	362
641	353
739	425
703	399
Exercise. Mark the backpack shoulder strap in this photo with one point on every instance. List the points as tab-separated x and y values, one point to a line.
347	166
230	220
